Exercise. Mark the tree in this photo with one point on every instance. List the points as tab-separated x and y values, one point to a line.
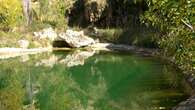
27	11
174	19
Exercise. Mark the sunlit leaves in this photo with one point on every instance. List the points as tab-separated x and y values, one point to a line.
10	13
173	18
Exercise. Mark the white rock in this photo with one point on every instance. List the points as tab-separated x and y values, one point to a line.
47	33
76	39
23	44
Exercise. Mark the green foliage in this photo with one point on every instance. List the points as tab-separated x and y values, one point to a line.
110	35
52	12
10	13
173	18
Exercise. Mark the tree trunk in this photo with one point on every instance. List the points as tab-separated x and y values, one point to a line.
27	10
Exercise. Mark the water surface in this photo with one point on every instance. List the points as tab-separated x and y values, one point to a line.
104	81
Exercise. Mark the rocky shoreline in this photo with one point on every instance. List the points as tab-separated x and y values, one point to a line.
6	53
14	52
188	104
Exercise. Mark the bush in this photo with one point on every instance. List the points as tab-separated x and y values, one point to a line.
52	12
173	18
10	13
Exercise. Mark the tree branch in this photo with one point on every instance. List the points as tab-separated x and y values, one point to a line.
188	25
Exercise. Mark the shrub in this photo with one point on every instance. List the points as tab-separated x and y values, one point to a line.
10	13
53	12
173	18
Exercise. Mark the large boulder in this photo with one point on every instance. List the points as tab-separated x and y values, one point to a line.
188	104
76	39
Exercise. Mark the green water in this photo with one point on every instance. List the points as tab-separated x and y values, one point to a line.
106	81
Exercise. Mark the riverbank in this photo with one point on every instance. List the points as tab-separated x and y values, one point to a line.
6	53
13	52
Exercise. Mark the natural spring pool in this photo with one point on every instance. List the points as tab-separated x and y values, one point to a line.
87	80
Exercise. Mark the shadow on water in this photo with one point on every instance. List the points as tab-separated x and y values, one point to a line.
84	80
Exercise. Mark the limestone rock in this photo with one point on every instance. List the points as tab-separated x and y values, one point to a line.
76	39
47	33
23	44
189	104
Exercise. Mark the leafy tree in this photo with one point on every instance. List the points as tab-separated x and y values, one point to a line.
10	13
174	19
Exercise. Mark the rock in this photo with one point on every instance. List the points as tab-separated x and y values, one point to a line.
47	33
189	104
23	44
97	41
76	39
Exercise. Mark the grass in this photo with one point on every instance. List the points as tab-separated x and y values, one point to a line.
134	35
108	35
10	39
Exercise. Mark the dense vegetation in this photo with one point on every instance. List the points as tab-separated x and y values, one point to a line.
10	13
172	19
175	20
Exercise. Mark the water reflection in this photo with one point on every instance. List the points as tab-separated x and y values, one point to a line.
105	81
75	58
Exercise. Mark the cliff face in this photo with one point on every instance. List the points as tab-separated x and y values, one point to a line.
106	13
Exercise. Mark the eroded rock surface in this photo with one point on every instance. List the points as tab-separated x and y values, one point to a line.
76	39
47	33
189	104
